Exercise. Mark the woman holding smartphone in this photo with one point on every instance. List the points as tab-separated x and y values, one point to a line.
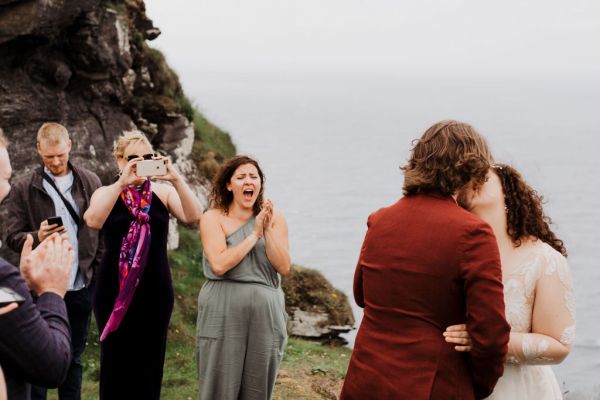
241	329
134	292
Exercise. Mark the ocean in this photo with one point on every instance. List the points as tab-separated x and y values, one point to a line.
331	146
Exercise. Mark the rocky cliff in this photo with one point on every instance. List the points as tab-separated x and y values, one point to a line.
87	65
317	310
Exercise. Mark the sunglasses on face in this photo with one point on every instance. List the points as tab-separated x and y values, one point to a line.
145	156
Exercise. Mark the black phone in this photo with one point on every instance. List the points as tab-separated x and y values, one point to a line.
55	220
7	296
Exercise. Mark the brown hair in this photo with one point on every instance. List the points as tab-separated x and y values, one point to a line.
220	197
449	155
52	133
525	215
3	140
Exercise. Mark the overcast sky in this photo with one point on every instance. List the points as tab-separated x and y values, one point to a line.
547	37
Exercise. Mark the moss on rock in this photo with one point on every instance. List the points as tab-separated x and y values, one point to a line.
308	290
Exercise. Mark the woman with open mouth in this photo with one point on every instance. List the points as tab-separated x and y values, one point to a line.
241	327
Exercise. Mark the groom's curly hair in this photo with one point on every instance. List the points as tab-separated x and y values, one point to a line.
449	155
525	216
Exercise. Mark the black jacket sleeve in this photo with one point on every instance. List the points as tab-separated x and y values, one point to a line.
35	338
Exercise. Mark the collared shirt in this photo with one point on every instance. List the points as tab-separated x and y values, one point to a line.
64	184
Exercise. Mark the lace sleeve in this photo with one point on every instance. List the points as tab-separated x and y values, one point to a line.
553	317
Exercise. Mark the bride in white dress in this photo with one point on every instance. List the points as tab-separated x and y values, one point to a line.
538	291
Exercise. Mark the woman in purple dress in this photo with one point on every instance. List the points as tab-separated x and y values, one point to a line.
134	292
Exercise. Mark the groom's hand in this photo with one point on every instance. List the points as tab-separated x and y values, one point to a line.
458	335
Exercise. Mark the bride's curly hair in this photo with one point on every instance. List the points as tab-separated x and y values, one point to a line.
525	215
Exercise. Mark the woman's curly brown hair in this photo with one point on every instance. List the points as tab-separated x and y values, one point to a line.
525	215
220	197
448	156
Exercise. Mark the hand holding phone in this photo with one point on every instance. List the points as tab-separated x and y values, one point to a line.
50	226
8	296
55	221
151	168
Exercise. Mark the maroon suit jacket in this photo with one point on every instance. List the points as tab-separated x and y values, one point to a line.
426	264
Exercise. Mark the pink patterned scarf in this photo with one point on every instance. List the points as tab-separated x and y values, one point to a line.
134	252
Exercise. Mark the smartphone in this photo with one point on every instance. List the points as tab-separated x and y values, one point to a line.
151	168
55	220
7	296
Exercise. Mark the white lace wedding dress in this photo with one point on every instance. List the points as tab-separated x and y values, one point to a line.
539	298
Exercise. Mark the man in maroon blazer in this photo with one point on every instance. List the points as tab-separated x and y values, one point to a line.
426	264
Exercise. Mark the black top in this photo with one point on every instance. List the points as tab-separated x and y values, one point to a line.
132	357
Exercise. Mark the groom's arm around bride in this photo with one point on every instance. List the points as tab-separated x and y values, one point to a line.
482	276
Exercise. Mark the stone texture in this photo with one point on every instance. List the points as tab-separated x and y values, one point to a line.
39	17
314	325
86	65
317	310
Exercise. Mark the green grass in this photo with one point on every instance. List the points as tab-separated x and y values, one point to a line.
309	370
209	137
316	358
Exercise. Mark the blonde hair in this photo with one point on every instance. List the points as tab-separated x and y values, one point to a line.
52	133
127	139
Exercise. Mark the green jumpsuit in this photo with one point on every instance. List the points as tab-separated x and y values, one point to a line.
241	327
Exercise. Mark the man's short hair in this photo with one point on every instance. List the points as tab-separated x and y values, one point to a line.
3	139
52	133
449	155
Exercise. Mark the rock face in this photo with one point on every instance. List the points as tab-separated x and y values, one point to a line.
86	65
317	310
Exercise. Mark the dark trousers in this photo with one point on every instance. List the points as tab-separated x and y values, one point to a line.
79	307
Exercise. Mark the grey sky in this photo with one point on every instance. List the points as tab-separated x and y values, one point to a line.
547	37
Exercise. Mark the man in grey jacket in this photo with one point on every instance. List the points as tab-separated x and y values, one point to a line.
59	189
34	338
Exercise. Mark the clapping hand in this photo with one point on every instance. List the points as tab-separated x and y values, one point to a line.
263	219
48	267
268	207
459	335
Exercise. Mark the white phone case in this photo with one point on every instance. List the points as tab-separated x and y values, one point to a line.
151	168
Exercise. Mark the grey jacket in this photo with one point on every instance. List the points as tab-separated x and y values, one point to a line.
29	204
35	341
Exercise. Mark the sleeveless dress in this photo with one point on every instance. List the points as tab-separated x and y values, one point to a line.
241	327
540	285
132	357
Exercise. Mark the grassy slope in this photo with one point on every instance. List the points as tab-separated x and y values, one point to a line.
309	370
